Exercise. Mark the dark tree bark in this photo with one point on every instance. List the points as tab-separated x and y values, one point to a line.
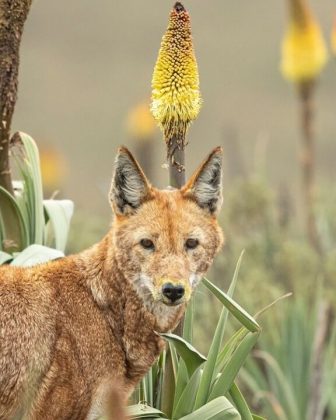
13	14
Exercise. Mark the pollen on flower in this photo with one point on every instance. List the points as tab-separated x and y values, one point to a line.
176	98
304	53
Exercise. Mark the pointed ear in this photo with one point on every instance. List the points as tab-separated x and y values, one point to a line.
205	186
129	188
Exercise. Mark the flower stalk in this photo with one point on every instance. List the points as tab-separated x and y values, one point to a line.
304	56
176	99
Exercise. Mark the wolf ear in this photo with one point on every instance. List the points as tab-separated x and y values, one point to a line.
205	186
129	188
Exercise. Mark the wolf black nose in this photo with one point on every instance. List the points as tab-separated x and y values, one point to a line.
171	292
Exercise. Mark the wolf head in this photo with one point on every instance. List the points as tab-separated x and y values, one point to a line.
165	240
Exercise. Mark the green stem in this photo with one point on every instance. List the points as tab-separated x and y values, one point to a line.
176	156
306	93
176	162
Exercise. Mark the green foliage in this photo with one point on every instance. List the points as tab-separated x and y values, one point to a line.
43	224
294	368
279	259
183	384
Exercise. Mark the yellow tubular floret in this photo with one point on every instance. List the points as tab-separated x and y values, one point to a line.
176	98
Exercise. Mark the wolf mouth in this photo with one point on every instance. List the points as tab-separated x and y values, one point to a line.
168	303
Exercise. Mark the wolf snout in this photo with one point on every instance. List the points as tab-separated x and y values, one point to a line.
173	293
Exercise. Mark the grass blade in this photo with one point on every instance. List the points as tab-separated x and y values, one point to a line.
210	366
188	322
186	399
232	368
240	403
237	311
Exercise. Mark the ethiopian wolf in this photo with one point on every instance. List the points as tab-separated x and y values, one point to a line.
79	329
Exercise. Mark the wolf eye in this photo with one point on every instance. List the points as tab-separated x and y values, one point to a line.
191	243
147	243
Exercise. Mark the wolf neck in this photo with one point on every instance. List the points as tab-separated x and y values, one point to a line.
131	323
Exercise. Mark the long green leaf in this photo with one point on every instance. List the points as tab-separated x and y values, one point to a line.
59	213
240	402
218	409
210	366
283	383
187	397
181	381
229	348
192	357
237	311
17	219
188	322
168	383
231	370
36	254
36	191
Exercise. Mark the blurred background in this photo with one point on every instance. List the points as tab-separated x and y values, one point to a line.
85	86
86	65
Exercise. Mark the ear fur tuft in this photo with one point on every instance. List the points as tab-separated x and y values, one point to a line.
205	186
129	188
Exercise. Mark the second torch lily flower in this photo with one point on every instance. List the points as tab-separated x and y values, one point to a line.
304	52
176	97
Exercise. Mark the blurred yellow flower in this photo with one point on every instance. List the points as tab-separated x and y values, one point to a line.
176	97
140	122
333	37
304	52
53	168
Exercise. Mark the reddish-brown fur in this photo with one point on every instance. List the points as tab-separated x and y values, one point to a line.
76	331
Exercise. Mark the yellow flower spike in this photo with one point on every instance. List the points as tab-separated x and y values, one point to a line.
333	37
304	53
176	99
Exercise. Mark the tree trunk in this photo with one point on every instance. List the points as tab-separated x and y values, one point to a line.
13	14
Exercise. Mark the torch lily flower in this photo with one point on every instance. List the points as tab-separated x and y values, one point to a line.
304	53
176	97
